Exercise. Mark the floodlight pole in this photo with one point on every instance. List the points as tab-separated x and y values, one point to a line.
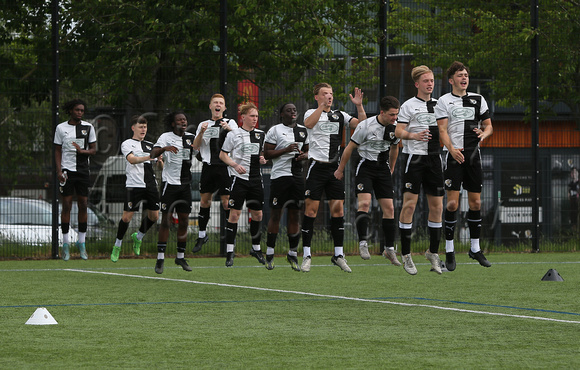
224	91
535	130
55	119
383	48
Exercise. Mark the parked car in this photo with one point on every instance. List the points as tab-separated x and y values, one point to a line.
97	222
27	221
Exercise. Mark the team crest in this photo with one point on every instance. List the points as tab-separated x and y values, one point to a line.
473	101
307	192
302	134
258	135
163	206
275	201
408	185
148	147
188	142
130	204
231	202
334	116
448	183
360	187
84	132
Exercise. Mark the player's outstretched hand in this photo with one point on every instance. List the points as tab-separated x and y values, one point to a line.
358	96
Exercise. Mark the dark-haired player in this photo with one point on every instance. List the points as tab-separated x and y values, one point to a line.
287	146
141	186
74	141
463	120
375	140
176	146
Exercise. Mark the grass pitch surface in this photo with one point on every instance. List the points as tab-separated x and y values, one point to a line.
124	315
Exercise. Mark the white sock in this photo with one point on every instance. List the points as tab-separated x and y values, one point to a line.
338	251
201	234
140	235
306	252
449	246
180	255
362	242
269	251
118	243
229	248
66	238
390	248
256	247
82	237
293	253
160	256
475	245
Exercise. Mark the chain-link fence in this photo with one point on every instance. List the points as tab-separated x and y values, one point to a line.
127	58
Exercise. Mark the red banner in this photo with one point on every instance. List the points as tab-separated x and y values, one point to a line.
249	93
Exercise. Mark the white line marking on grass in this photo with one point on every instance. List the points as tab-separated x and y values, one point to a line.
326	296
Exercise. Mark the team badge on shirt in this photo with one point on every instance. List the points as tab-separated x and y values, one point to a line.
302	134
84	132
188	142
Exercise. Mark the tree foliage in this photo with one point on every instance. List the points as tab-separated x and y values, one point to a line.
494	39
158	54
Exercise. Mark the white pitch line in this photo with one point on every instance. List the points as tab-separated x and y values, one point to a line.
327	296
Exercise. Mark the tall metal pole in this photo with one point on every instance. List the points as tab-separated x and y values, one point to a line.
224	48
55	120
535	130
224	92
383	48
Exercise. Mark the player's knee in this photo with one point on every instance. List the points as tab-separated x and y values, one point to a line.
452	205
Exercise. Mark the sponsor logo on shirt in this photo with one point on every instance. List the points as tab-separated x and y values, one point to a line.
380	145
251	149
212	133
465	113
426	119
329	127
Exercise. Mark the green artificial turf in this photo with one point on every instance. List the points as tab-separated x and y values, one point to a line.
124	315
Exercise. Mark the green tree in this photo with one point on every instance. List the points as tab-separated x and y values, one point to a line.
152	55
494	39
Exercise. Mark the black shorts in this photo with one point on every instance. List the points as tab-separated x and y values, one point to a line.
215	178
468	173
135	196
423	170
374	176
320	178
251	191
287	192
76	183
175	197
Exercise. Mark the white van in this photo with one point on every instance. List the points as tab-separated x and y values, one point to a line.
108	195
